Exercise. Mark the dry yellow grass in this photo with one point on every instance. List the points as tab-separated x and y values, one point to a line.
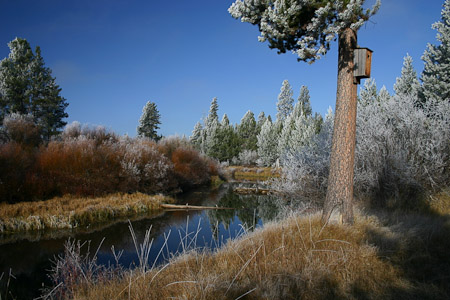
253	173
70	211
440	203
293	259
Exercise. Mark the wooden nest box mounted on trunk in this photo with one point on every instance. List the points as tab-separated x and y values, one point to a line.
363	62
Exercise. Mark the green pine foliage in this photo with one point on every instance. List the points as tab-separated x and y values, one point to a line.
436	73
259	141
247	132
28	87
407	83
149	122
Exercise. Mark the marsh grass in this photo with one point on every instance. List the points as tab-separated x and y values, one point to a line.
252	173
384	255
70	211
5	281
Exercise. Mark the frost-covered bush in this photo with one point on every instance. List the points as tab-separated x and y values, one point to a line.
90	161
98	133
144	166
169	144
248	157
71	131
21	129
401	149
305	172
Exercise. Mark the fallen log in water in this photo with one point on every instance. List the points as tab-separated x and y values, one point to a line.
190	207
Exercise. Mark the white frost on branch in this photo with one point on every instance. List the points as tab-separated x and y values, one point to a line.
300	26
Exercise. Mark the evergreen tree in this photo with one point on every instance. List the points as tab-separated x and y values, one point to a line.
286	134
267	143
259	123
307	28
149	121
229	145
225	121
318	122
48	107
211	130
212	139
303	132
368	93
212	116
383	95
285	101
407	83
27	87
436	74
247	131
304	100
196	137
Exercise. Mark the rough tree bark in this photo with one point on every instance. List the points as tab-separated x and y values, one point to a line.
340	180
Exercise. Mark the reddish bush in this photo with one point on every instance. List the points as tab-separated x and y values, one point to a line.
190	168
22	129
16	167
97	164
79	166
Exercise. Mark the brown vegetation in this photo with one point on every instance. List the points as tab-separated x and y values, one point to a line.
70	211
384	255
241	173
93	162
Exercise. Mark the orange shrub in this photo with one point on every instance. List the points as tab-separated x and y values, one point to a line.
190	168
16	165
79	166
99	163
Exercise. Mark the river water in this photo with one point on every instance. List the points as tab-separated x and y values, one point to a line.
28	256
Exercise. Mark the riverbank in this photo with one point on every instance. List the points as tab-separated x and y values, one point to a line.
71	211
384	255
252	174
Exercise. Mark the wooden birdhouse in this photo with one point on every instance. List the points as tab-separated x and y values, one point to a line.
363	61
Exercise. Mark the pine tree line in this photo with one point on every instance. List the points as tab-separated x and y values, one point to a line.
258	141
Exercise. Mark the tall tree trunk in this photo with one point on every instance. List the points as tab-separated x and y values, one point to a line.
340	180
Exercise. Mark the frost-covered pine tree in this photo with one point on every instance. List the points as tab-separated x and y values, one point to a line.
436	73
407	83
196	137
285	101
304	100
304	130
267	144
212	139
368	93
211	130
259	123
149	121
212	115
286	134
298	129
307	28
383	95
246	131
28	87
225	121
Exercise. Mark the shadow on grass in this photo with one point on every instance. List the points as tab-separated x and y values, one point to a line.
417	243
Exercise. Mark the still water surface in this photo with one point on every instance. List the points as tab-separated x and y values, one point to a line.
29	256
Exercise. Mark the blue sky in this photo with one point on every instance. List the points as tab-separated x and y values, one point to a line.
111	56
